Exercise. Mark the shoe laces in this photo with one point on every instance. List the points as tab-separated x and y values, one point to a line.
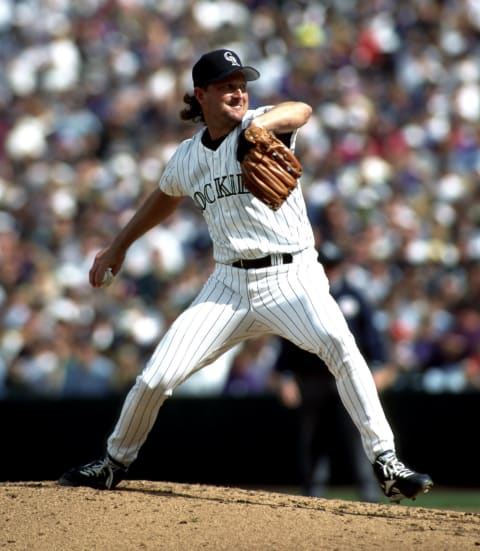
392	468
97	468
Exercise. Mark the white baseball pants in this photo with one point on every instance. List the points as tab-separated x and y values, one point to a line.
289	300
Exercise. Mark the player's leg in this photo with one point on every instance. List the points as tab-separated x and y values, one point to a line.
217	320
197	337
297	303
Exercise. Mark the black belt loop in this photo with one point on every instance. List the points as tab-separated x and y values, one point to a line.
264	262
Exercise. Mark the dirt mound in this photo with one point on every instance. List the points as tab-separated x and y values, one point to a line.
156	516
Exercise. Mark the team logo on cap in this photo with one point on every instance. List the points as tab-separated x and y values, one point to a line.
230	56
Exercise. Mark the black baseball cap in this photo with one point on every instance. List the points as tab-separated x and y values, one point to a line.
219	64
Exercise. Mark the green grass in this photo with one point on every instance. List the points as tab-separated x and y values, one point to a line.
453	499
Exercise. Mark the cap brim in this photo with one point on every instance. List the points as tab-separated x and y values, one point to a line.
250	73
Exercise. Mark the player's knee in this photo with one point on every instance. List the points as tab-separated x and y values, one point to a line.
153	385
338	351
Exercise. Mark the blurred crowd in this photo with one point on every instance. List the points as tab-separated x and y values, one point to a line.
90	95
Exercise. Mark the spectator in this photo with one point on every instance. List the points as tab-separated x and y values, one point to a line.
251	367
87	372
450	364
88	93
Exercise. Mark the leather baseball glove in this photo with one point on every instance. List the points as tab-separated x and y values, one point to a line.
269	168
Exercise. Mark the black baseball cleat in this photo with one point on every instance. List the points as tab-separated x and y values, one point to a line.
103	474
396	480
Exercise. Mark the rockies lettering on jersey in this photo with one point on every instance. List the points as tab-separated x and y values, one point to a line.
240	225
219	189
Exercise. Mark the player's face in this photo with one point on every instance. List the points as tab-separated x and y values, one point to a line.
224	103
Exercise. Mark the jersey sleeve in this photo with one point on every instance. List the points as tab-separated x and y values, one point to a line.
288	139
170	182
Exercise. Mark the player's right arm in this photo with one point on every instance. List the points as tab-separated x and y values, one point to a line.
152	212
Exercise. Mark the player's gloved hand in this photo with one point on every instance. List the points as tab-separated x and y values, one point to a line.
270	169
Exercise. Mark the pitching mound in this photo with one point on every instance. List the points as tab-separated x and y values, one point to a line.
158	516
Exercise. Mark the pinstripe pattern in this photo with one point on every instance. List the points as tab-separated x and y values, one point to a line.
240	225
290	300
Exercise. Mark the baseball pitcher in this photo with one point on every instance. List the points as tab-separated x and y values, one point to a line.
241	172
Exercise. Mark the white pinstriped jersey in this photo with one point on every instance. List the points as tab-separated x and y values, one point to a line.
240	225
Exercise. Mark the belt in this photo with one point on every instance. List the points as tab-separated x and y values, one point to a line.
264	262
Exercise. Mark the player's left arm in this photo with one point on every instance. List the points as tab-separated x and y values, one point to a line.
284	118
